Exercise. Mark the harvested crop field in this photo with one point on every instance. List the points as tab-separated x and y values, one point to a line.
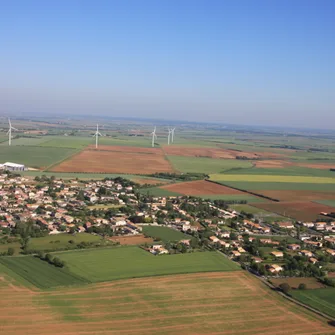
116	161
132	239
297	195
303	211
200	187
294	282
148	181
266	164
206	152
212	303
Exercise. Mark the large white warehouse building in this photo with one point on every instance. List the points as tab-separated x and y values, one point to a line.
12	166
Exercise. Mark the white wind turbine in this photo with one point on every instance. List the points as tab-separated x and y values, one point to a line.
96	135
169	136
153	137
9	133
172	137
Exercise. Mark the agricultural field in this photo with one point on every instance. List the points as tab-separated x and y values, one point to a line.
25	141
158	192
294	282
116	160
132	239
321	299
299	195
40	273
130	262
34	156
51	242
330	203
272	179
165	234
210	303
302	211
206	165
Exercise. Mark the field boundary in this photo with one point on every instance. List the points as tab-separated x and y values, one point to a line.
290	298
62	160
245	191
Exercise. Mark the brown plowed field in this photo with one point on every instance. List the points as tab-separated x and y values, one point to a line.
132	240
297	195
275	164
318	166
208	303
116	161
200	187
206	152
302	211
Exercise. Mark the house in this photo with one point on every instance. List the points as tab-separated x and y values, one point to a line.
306	253
313	260
308	224
275	268
214	239
241	250
235	253
277	254
293	246
330	252
285	225
186	242
320	225
268	241
314	244
257	259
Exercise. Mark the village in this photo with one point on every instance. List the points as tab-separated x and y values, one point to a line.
114	208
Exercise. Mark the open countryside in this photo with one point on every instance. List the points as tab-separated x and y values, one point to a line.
173	304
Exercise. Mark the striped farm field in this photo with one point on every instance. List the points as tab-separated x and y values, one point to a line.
272	179
227	303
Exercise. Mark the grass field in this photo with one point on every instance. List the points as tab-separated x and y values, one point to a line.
289	239
25	141
158	192
271	179
164	233
130	262
294	282
34	156
227	303
40	273
206	165
321	299
51	242
74	142
254	185
330	203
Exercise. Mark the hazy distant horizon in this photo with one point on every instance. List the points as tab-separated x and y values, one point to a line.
256	63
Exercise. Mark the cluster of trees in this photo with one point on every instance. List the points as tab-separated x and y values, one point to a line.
51	260
183	176
286	288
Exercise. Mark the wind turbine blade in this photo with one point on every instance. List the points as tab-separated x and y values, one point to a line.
14	129
9	122
99	134
8	132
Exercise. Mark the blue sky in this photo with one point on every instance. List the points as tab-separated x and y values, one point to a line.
248	62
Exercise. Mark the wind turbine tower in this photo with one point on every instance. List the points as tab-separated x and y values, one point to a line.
153	137
169	136
9	133
96	135
172	137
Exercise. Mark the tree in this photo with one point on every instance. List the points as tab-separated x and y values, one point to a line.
10	251
285	287
302	286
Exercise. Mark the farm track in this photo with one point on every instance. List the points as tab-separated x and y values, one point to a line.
201	303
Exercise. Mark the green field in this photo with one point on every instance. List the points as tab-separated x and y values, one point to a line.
321	299
40	273
254	210
271	179
25	141
330	203
206	165
164	233
289	239
51	242
60	241
287	171
34	156
131	262
258	186
232	197
74	142
158	192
